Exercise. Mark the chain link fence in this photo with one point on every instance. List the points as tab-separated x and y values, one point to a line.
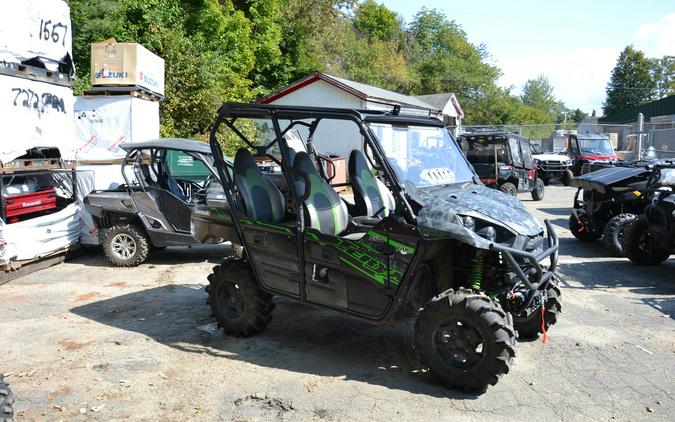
658	139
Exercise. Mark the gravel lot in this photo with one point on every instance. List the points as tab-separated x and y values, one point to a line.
83	341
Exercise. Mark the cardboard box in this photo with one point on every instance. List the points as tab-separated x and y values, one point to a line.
127	64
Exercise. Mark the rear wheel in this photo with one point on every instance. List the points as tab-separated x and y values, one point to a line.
6	401
466	339
538	191
528	323
615	231
509	189
125	245
638	244
581	232
239	305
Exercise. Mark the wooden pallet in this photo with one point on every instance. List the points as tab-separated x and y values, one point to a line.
133	90
16	269
35	73
33	164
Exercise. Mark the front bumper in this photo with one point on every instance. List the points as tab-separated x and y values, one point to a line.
538	276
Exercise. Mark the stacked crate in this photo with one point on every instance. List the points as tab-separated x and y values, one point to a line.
39	214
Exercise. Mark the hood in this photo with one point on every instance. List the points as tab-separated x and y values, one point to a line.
442	205
551	157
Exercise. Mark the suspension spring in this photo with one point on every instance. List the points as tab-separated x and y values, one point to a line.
476	276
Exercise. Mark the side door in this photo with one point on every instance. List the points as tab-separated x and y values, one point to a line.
528	165
518	167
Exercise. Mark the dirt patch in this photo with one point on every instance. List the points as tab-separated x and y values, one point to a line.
87	296
117	284
64	390
71	345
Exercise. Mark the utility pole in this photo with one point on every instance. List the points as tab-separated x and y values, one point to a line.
641	124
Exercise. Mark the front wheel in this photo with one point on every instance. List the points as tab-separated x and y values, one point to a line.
6	401
125	245
239	305
466	339
529	323
567	177
538	191
581	231
509	189
615	231
638	244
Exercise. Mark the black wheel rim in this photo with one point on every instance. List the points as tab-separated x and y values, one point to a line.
231	301
459	343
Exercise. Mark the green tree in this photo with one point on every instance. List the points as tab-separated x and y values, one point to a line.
443	60
538	93
663	73
631	83
376	22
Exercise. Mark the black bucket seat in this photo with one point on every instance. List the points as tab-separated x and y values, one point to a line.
324	208
371	196
262	199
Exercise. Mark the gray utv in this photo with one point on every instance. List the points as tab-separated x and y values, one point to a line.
418	237
164	180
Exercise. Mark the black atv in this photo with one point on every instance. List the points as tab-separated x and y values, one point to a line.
165	179
606	201
650	239
421	238
6	401
504	161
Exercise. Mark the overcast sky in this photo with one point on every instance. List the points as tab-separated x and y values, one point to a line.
575	43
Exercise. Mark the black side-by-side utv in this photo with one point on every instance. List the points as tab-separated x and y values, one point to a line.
650	239
606	201
422	237
504	161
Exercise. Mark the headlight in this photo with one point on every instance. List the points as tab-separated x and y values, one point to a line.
488	232
469	223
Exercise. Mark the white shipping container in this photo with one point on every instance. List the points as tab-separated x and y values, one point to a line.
35	114
103	123
36	28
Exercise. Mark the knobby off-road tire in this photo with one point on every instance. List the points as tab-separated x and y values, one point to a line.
637	244
538	191
615	231
126	245
509	189
546	180
6	401
567	178
583	235
466	339
528	323
239	305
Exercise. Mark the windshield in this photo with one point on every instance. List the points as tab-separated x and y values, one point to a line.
425	156
596	146
484	151
536	149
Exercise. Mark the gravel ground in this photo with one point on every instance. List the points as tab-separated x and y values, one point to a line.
83	341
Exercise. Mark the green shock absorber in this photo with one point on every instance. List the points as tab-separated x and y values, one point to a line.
476	276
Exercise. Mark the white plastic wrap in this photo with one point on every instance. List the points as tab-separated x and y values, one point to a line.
40	236
103	123
88	230
35	28
35	114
